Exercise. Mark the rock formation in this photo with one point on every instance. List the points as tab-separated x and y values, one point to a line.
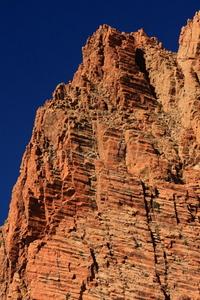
107	205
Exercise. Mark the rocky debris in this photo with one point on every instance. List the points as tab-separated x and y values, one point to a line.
107	203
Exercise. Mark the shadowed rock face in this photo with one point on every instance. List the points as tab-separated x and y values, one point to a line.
107	204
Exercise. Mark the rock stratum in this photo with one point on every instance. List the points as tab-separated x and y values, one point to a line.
107	205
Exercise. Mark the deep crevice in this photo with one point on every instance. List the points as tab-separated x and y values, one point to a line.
166	274
94	266
197	78
167	297
83	289
94	260
166	263
148	221
175	210
145	202
140	61
101	52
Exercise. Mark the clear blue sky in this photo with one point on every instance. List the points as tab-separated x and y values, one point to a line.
40	46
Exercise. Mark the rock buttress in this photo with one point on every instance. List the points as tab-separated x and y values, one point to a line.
107	203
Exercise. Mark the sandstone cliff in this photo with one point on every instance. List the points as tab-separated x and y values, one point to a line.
107	205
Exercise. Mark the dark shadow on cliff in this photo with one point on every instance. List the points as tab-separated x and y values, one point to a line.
140	61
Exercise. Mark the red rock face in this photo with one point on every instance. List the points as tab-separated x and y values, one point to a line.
107	203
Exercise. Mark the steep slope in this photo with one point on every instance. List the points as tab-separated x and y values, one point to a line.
107	203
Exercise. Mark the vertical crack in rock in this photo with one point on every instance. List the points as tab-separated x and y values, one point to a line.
94	266
166	275
166	265
145	202
148	221
140	61
83	289
163	288
167	297
101	51
175	209
197	78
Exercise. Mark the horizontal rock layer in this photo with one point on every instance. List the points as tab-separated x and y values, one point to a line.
107	203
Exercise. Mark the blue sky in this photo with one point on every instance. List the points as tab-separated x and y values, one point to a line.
40	46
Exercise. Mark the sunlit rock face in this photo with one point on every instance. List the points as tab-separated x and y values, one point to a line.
107	205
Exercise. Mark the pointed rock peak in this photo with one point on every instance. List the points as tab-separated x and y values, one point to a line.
142	32
103	30
101	36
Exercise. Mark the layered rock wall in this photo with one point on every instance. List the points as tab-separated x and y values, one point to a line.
107	203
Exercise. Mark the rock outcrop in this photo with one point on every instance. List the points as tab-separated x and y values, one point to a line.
107	205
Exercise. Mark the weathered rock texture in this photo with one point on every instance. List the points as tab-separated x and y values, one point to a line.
107	205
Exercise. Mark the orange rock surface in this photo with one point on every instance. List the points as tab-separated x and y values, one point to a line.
107	205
